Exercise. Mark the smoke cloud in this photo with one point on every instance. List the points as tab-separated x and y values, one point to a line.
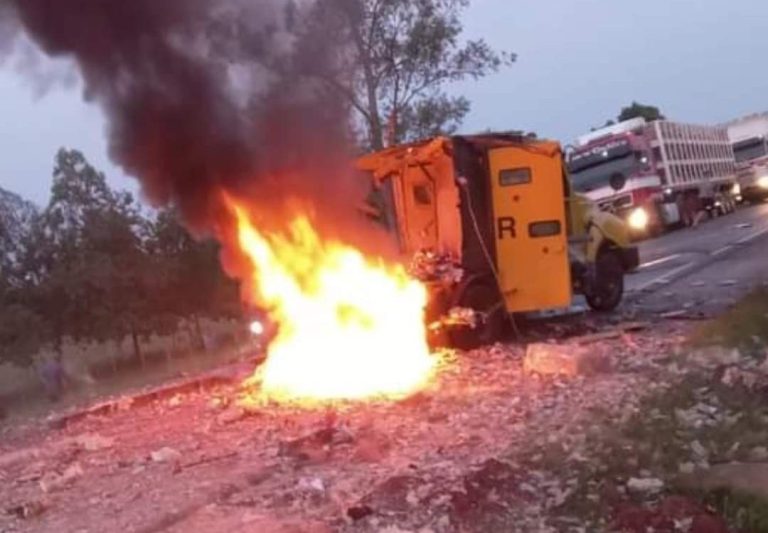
202	96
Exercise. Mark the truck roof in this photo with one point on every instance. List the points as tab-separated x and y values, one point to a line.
749	127
382	162
615	129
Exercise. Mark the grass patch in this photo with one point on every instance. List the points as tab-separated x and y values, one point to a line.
657	440
744	512
32	403
745	326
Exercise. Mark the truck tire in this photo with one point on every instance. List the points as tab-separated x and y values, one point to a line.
608	288
482	296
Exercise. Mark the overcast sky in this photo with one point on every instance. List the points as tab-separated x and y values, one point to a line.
580	61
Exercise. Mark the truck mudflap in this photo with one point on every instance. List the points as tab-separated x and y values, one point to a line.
630	258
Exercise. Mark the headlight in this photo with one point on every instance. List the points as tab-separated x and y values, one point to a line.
256	328
638	219
763	182
736	190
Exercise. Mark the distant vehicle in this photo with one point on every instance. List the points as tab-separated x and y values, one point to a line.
656	174
749	136
261	329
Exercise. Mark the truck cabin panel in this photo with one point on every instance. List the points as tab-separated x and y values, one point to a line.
531	227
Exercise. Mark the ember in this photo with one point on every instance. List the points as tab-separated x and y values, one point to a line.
350	327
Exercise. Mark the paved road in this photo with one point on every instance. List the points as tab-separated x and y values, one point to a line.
703	266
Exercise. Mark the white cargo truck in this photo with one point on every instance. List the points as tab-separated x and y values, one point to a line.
749	136
656	174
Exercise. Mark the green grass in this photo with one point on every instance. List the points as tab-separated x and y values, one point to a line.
657	441
745	326
744	512
32	403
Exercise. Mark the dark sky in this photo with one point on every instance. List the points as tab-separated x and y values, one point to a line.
580	61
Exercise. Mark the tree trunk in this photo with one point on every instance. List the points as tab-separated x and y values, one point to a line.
58	345
376	130
137	348
116	356
199	333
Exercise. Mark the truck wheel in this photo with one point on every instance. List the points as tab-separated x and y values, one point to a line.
608	288
482	296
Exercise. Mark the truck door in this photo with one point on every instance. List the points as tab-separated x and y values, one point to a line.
530	219
420	201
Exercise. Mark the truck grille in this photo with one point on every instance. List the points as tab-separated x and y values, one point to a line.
616	204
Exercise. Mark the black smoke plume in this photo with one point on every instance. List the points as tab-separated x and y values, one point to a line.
201	95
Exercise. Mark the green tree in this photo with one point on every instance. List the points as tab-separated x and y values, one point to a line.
87	272
635	110
92	266
194	285
395	58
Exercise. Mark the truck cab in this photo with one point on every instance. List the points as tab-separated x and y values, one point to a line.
656	175
752	168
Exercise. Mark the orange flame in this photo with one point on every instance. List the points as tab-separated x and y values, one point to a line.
350	327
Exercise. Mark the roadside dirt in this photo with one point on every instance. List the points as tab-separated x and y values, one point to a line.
460	456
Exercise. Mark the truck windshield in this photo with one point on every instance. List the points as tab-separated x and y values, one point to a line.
750	149
599	175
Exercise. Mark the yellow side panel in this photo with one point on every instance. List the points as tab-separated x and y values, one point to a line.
530	226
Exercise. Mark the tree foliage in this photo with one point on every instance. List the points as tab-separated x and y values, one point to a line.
394	60
93	266
635	110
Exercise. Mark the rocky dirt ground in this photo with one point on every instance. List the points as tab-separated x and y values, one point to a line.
606	432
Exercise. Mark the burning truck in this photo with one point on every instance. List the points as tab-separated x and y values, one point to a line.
494	228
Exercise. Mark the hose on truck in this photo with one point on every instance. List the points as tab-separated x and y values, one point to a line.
462	182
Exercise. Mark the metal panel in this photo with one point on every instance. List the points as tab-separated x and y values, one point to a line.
533	265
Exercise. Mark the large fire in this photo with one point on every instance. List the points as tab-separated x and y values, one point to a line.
350	327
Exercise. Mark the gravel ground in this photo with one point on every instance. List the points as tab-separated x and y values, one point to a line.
480	450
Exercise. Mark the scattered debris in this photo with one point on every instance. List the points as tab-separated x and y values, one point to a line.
443	460
685	314
358	512
615	333
645	485
93	442
27	510
165	455
175	401
430	266
232	415
125	403
311	484
54	481
564	359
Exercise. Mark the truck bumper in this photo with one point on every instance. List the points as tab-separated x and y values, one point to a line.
754	194
630	257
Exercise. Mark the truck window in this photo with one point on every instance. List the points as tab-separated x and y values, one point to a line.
422	194
514	176
546	228
750	149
